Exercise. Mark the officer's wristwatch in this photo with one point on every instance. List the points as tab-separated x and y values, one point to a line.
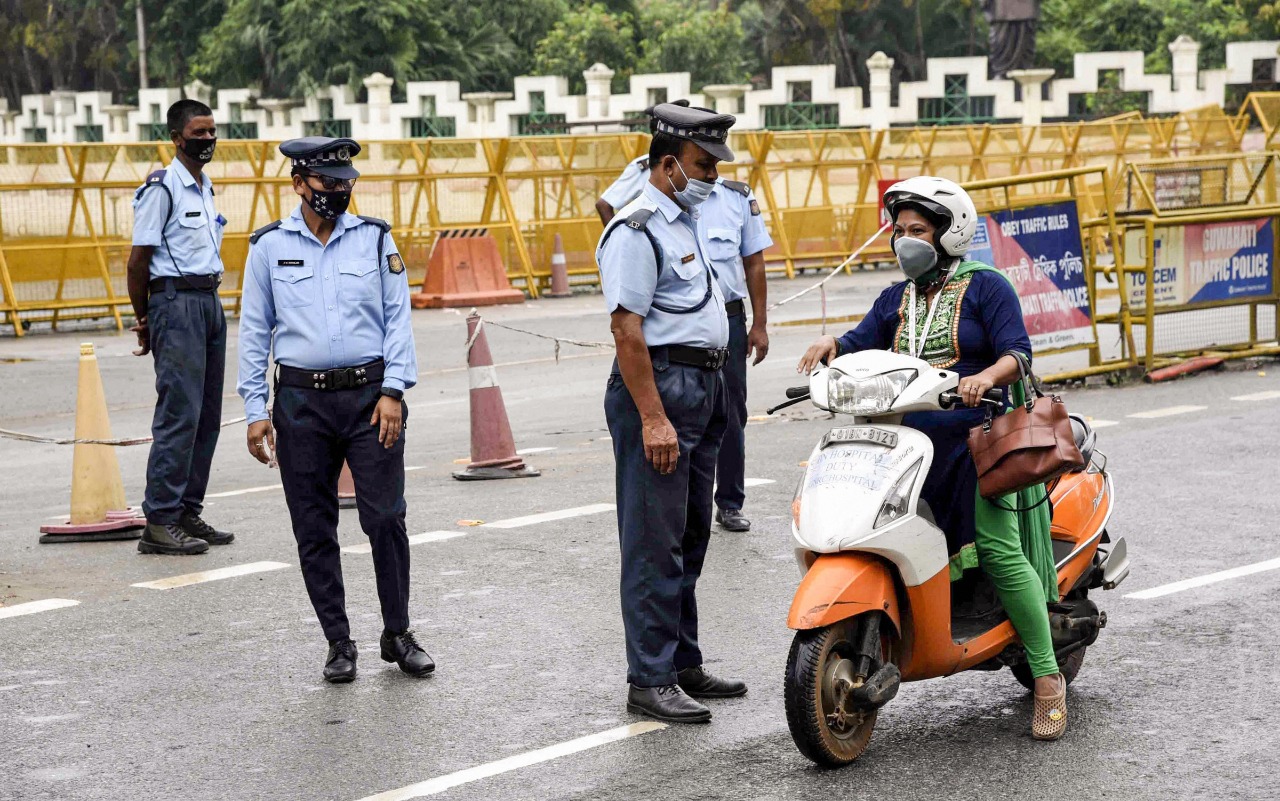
392	393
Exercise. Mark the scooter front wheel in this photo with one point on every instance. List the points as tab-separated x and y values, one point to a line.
821	675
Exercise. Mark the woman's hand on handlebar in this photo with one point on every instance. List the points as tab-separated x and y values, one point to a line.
973	388
823	350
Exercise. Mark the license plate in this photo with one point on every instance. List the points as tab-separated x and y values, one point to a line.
875	436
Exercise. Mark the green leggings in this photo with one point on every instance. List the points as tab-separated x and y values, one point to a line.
1021	590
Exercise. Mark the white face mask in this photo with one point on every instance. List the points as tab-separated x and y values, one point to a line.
695	192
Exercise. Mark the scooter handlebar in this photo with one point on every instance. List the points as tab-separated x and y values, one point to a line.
797	392
992	397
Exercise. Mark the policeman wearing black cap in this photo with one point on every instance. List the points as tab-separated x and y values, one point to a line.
633	178
666	410
327	292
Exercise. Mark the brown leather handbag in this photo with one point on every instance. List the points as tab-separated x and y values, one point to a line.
1031	444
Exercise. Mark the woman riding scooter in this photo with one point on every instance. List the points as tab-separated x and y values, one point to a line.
963	316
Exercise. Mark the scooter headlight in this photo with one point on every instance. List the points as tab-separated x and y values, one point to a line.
899	498
866	396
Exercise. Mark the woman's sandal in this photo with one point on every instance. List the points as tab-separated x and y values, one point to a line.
1049	720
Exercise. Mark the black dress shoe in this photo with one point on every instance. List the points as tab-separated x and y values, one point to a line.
732	520
696	681
666	703
199	529
403	649
340	664
170	539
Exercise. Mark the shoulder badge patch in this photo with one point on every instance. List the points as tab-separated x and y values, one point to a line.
755	208
395	264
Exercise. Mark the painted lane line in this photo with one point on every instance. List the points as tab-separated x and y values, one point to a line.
1168	411
210	575
1103	423
442	783
31	607
757	482
546	517
527	451
1200	581
414	539
264	488
1258	396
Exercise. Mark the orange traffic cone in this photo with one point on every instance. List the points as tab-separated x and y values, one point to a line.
98	510
493	449
559	272
346	488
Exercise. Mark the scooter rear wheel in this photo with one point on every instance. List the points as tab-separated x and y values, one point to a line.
819	673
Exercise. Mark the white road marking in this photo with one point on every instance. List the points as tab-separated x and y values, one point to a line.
1103	423
442	783
1168	411
757	482
414	539
210	575
1200	581
415	467
527	451
31	607
546	517
264	488
1258	396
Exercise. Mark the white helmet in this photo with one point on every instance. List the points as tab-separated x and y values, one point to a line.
942	198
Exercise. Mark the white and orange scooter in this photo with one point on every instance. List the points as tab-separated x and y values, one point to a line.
876	606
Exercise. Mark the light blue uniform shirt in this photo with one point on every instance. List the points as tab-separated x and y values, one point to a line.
733	228
632	280
629	184
189	239
319	307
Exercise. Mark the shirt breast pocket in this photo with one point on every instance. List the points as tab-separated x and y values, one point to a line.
293	286
358	279
723	246
686	270
194	229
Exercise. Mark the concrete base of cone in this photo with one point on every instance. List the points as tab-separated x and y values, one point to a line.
125	524
488	473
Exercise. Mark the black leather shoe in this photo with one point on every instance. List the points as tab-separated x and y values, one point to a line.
170	539
340	664
696	681
666	703
403	649
199	529
732	520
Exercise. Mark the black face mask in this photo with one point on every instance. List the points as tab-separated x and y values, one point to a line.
200	149
329	205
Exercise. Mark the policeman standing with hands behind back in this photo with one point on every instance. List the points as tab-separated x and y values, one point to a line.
326	290
665	407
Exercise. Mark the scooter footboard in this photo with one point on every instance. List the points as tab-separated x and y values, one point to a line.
841	585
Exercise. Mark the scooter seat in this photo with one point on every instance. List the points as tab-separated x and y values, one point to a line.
1085	438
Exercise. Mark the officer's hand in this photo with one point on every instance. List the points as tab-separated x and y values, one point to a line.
758	342
824	350
661	446
389	416
144	337
261	432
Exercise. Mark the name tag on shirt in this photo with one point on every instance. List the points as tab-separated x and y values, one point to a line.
193	214
687	259
289	263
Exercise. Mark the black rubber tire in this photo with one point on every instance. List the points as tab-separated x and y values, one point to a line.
802	697
1069	667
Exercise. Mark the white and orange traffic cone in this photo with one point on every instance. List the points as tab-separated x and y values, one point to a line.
559	273
346	488
493	448
98	509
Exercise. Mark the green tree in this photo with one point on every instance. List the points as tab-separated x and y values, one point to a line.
709	44
584	36
174	31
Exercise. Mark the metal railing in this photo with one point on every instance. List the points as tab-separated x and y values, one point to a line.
336	129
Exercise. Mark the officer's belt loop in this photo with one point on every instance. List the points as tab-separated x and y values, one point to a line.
170	289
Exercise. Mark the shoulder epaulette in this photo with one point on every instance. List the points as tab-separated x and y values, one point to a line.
263	231
639	219
383	224
739	187
644	164
153	179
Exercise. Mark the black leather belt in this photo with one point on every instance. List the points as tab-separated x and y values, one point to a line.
186	283
735	308
706	358
339	378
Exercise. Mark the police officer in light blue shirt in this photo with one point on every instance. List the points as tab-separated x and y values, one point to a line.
631	182
326	292
735	238
174	271
664	404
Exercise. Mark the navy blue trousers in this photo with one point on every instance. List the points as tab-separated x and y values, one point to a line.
189	348
315	431
664	522
731	471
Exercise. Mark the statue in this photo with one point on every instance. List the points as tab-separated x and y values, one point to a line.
1013	34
